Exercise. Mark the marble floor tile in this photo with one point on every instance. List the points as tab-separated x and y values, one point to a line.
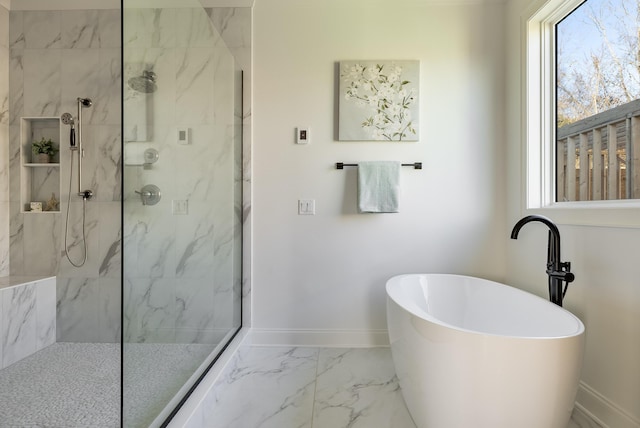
358	388
288	387
266	388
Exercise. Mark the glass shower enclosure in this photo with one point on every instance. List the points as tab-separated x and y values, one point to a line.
182	204
114	306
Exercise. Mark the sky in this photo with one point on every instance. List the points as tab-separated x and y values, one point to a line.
579	37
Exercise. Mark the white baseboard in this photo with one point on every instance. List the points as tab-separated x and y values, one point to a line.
601	410
319	338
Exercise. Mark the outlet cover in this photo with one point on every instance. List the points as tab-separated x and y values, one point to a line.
180	206
306	207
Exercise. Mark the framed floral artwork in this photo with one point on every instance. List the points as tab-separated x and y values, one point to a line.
379	101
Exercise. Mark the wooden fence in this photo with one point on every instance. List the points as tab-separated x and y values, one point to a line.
598	158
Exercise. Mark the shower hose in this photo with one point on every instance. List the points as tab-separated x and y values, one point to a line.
66	226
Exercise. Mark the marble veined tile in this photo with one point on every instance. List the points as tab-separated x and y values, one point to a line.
108	105
149	310
42	29
16	87
79	77
42	82
19	323
194	28
358	388
4	22
195	243
5	248
109	304
195	86
4	86
45	312
77	302
109	28
194	299
79	29
145	28
16	30
273	387
110	240
265	387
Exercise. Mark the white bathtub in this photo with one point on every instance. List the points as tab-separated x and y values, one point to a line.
473	353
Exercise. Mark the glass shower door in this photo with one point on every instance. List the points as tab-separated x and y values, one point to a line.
182	204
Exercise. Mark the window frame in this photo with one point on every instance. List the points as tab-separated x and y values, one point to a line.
539	128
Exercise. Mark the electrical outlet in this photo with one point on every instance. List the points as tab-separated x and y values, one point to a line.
306	207
180	206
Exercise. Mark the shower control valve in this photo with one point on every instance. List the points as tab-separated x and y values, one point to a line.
149	194
86	195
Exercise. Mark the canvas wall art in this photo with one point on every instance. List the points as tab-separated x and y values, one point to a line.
379	101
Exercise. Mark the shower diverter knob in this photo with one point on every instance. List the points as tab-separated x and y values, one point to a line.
149	194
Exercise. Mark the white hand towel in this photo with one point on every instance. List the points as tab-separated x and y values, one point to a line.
378	187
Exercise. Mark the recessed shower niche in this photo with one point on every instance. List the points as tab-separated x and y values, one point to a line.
39	182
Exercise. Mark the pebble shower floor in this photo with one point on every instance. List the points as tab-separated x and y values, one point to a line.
77	385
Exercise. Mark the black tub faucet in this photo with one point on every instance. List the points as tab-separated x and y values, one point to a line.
558	271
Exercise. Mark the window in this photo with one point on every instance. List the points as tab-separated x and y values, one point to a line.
597	102
561	133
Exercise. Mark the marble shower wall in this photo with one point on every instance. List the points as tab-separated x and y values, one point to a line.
4	142
54	57
179	269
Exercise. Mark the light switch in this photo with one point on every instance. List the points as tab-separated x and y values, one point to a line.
184	136
303	135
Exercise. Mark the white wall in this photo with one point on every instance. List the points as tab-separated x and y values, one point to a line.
326	273
606	292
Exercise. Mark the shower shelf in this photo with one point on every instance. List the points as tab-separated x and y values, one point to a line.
38	181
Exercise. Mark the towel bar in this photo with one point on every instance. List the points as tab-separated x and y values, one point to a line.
415	165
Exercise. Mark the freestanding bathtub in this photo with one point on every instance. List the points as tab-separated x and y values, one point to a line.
473	353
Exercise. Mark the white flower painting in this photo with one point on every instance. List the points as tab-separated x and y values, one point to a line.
379	100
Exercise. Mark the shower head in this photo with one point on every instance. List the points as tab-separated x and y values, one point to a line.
67	119
146	83
85	102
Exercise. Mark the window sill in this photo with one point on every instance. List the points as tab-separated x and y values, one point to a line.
623	213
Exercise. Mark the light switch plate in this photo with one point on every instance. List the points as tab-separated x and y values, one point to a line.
184	136
303	135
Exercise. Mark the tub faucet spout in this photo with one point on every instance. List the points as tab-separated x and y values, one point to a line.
557	271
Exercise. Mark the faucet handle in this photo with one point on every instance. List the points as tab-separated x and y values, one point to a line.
150	194
563	276
565	272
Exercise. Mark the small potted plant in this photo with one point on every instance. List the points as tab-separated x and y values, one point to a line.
43	150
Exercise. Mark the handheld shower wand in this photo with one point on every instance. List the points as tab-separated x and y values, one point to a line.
67	119
76	146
